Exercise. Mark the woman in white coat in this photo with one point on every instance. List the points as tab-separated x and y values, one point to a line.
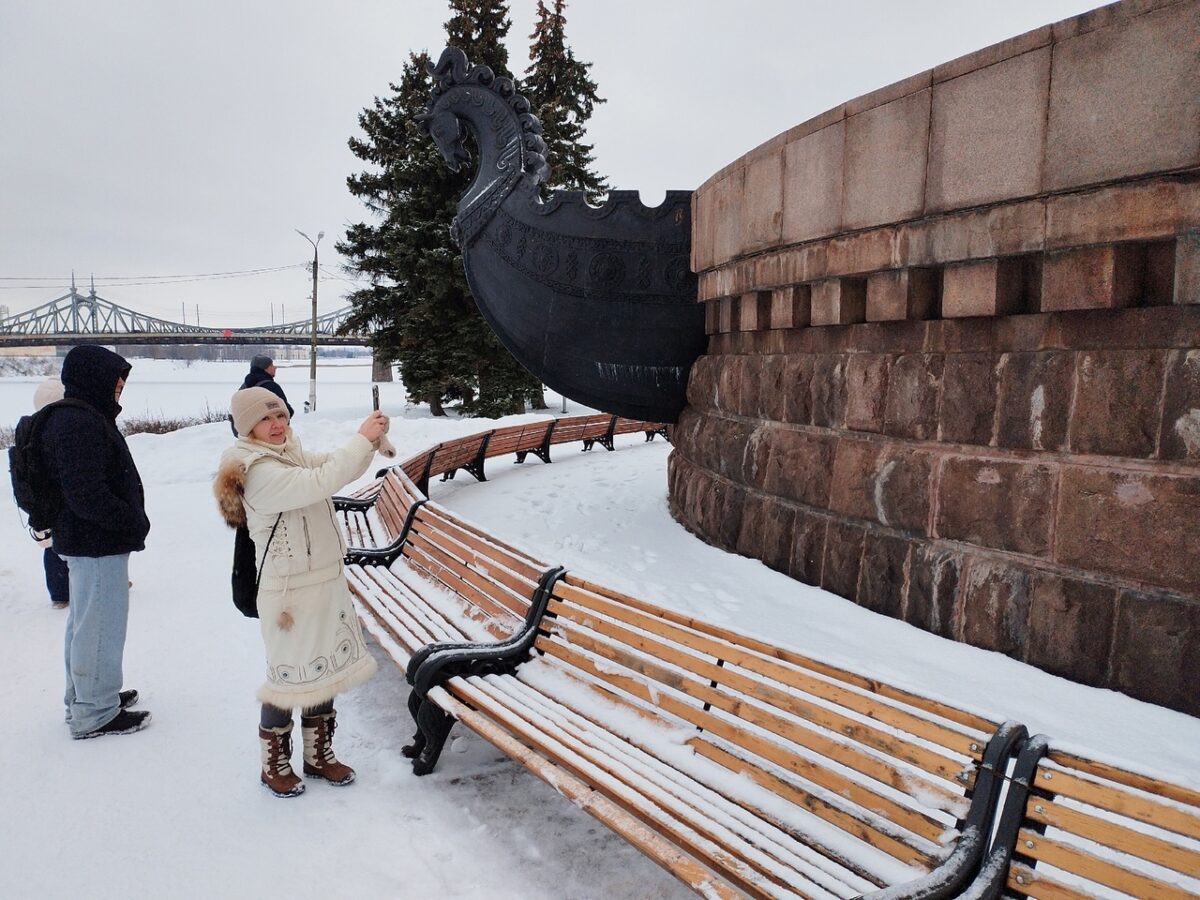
314	645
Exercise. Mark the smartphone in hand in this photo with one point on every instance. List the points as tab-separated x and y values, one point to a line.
375	396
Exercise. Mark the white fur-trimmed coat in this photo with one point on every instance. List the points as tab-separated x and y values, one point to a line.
314	644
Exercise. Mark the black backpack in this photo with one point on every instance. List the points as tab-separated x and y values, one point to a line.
245	578
36	492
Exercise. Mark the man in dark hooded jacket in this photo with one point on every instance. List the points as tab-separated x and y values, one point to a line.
103	520
262	374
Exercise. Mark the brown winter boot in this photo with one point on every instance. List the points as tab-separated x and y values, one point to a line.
277	772
319	760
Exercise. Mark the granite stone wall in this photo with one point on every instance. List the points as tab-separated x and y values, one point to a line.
954	351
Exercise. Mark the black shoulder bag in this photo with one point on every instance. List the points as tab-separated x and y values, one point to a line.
245	578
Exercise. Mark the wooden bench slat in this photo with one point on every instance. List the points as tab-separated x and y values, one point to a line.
1176	792
1102	871
917	822
483	596
847	754
866	705
727	864
1112	834
1041	886
683	866
418	618
1118	800
874	686
486	567
521	562
936	763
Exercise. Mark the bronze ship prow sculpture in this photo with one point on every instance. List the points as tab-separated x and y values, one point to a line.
598	302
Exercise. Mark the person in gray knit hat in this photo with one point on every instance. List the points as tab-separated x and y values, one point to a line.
262	374
314	644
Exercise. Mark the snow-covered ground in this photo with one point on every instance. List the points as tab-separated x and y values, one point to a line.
176	811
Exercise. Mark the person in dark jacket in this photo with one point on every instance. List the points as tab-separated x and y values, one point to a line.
262	374
103	520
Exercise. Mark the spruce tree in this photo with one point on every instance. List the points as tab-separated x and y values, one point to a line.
419	308
563	97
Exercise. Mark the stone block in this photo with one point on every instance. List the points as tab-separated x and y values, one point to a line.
987	132
721	224
1106	277
1144	210
1156	652
1071	625
827	390
866	390
970	383
977	234
996	503
1187	268
883	483
1132	524
839	301
995	606
902	294
712	316
843	557
1118	402
886	152
798	374
883	574
728	315
702	383
723	518
990	287
914	387
1158	288
1179	436
812	184
1035	400
933	589
772	384
992	54
755	312
762	204
791	306
766	531
808	547
793	465
864	251
1123	100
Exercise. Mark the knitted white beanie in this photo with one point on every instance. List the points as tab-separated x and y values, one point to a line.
250	406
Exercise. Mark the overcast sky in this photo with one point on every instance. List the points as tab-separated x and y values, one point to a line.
150	138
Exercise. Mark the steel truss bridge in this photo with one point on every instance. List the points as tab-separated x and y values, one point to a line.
76	318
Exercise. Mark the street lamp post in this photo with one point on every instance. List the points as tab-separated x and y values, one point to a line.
312	359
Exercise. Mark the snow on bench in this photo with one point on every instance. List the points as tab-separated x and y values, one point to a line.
738	766
1077	827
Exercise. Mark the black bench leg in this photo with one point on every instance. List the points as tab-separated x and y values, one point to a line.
412	750
435	727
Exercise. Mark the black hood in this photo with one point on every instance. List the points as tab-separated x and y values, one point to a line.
90	374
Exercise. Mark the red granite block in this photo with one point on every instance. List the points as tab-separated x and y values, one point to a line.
1187	268
1118	398
883	574
990	287
812	186
808	547
1036	390
791	306
798	375
755	311
933	589
762	202
827	390
886	150
1132	524
999	504
1156	208
866	380
1156	651
914	388
843	557
1179	436
995	606
766	531
1071	625
839	301
793	464
1106	277
970	384
1123	100
883	483
902	294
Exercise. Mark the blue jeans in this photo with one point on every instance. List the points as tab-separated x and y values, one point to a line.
57	577
95	639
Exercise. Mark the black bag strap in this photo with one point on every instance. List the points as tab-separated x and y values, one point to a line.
258	577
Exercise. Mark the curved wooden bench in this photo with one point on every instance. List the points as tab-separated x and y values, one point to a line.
1073	827
756	769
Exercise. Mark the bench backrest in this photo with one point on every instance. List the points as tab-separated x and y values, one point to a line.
1100	829
886	767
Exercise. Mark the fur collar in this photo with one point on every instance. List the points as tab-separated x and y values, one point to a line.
229	487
